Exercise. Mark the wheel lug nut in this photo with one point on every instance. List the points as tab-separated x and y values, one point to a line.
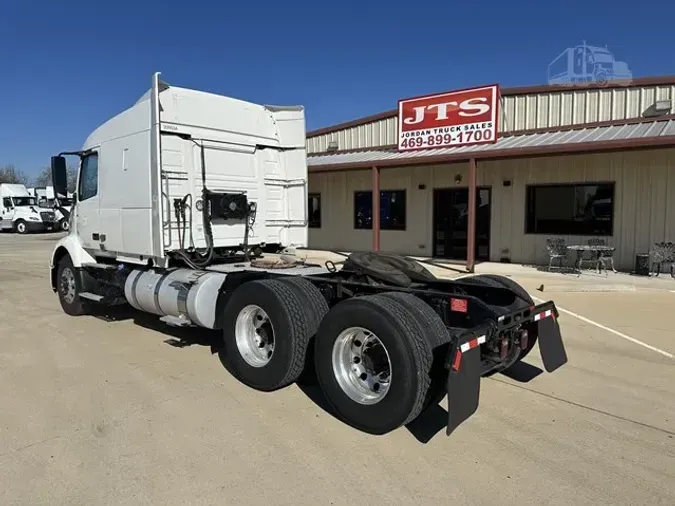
357	360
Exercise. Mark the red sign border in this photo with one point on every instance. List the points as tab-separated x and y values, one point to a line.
473	88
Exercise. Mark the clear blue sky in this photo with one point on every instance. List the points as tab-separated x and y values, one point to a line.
67	66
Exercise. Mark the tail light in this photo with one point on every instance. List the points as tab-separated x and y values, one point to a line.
459	305
523	339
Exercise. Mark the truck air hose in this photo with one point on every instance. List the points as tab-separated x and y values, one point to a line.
207	256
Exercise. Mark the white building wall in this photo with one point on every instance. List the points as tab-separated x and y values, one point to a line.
553	109
644	205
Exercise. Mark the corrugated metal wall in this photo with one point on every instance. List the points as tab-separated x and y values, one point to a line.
644	203
521	112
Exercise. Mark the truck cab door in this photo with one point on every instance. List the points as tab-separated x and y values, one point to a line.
6	213
87	220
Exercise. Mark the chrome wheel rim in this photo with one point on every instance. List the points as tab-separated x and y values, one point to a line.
254	334
361	365
68	285
21	228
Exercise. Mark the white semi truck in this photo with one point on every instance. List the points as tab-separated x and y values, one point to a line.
177	199
46	199
20	213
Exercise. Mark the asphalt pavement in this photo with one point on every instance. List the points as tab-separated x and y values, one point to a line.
131	412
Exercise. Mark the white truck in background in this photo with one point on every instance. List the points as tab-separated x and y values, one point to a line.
46	199
20	213
177	199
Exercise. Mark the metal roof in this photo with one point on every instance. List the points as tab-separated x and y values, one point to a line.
637	134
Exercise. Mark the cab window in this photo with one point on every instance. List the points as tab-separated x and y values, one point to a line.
88	177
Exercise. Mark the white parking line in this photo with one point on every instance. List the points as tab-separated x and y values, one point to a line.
603	327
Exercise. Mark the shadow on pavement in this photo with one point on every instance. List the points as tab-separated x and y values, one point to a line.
522	372
432	421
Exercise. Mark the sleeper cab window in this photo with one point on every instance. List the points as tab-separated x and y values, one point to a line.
570	209
392	210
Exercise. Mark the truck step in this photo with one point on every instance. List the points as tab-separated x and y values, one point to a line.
107	267
108	300
176	321
91	296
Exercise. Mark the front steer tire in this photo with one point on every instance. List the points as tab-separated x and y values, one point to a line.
69	287
291	327
410	356
20	227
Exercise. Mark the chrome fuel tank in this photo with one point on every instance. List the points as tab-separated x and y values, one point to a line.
182	293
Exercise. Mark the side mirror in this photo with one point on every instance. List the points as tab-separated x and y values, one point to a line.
59	176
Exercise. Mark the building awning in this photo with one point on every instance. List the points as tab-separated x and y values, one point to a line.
644	134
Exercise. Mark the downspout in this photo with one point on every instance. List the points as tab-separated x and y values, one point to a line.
376	208
471	232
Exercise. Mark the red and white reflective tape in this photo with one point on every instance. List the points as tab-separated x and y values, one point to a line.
542	315
474	343
463	348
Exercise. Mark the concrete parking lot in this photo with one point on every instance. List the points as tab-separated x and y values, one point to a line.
110	412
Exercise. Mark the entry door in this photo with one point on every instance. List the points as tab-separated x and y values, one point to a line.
87	219
451	223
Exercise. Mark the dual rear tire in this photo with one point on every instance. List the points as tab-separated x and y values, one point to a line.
378	359
268	326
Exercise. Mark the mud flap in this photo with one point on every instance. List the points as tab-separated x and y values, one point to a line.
463	381
551	346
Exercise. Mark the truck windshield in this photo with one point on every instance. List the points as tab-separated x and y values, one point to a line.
603	57
24	201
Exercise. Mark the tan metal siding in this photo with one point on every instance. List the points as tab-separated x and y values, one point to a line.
520	112
644	203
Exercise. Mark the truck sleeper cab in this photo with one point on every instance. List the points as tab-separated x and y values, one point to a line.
178	199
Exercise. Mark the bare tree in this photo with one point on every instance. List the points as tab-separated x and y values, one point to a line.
72	178
10	174
44	178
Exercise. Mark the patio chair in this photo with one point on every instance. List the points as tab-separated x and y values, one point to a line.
664	254
557	250
601	257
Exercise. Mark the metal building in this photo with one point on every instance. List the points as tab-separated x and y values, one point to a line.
569	162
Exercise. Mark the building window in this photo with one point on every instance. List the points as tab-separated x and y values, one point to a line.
570	209
314	210
392	210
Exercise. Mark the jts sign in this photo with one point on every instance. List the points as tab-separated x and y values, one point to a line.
456	118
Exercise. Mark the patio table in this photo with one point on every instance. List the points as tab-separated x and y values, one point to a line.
580	249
